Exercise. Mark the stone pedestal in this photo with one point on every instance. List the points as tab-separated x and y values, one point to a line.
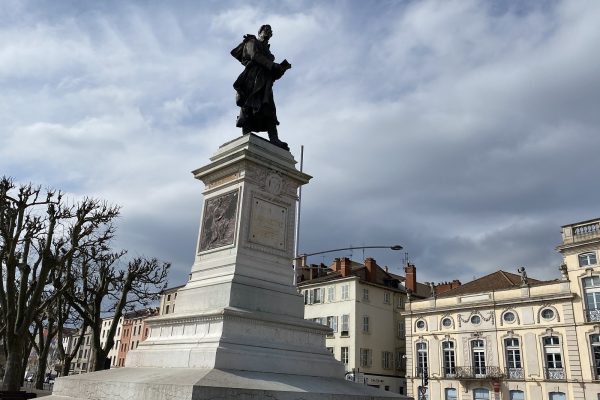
238	329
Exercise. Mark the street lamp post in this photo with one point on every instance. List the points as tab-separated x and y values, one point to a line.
301	258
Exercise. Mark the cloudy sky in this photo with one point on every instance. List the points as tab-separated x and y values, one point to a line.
466	131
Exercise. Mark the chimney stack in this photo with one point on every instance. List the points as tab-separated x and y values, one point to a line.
371	267
337	265
345	266
312	271
411	277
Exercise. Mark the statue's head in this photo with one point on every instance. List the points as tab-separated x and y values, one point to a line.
265	32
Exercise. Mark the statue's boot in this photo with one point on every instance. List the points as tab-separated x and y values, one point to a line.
274	138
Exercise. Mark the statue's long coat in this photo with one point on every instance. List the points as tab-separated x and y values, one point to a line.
254	86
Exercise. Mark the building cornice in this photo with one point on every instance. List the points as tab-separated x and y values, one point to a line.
488	304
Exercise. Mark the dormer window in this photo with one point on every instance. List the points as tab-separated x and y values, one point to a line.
586	259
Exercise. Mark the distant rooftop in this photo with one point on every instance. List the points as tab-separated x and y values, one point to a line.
355	269
378	276
498	280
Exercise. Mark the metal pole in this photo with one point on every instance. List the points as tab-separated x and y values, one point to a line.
297	244
299	202
394	247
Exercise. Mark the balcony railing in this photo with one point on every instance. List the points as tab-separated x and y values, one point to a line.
449	372
515	373
555	374
587	229
479	373
592	315
582	232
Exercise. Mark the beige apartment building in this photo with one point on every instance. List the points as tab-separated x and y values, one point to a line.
168	298
113	354
508	336
81	362
361	303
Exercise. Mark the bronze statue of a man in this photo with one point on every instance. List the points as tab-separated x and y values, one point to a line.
254	86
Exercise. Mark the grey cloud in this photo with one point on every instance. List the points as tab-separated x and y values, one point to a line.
465	131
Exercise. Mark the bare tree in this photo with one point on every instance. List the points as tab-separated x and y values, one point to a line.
40	237
107	286
47	329
67	355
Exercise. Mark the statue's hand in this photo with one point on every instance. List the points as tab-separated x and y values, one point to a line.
278	70
285	64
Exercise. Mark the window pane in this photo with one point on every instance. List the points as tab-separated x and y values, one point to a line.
516	395
450	394
586	282
595	342
509	317
551	340
587	259
481	394
557	396
547	313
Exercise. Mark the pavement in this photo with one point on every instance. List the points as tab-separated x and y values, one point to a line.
28	387
40	393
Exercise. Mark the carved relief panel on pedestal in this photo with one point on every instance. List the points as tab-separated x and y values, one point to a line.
219	221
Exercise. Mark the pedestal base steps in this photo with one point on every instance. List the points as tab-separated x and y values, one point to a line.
208	384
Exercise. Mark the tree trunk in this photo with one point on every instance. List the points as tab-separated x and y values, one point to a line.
100	359
26	353
66	366
13	375
41	370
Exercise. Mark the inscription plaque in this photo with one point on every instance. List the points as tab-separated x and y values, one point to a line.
218	221
267	225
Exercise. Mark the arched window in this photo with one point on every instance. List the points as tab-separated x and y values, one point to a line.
478	354
421	358
591	288
481	394
449	359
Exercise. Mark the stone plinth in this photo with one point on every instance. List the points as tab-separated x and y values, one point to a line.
213	384
238	330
